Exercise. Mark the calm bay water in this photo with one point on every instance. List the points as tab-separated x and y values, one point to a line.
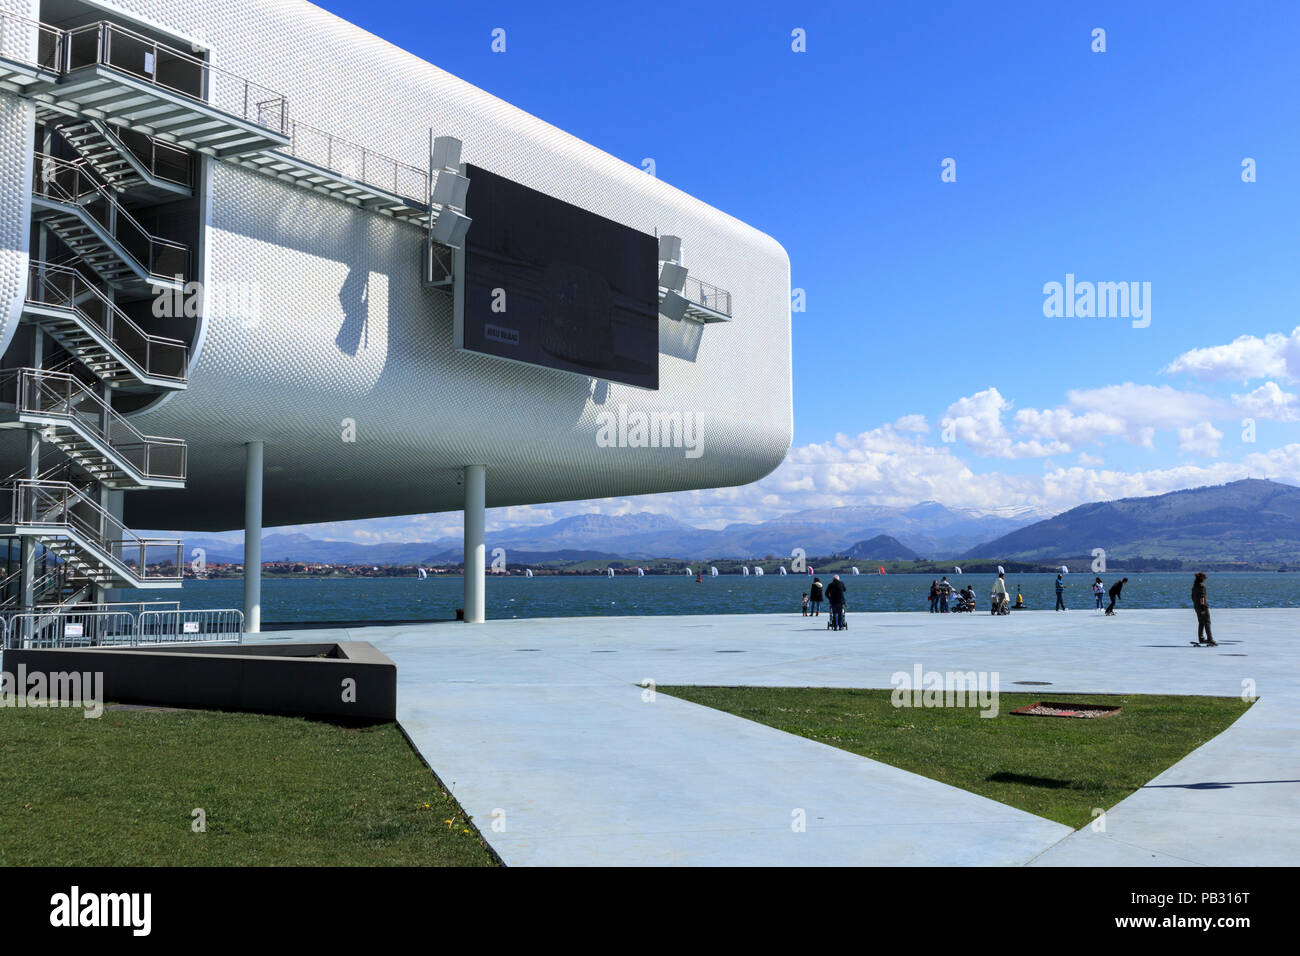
381	599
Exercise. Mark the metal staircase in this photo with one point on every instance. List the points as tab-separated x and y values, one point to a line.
94	545
89	432
89	326
69	198
135	112
125	160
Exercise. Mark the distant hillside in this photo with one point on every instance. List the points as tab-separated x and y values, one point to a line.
882	548
929	527
1252	520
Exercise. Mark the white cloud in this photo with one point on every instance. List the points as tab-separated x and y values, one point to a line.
1149	406
1090	461
912	423
1200	439
1061	424
976	421
1244	358
1271	403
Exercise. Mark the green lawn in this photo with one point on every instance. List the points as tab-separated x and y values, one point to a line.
1059	768
121	790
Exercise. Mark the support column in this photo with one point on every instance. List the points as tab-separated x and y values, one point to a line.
27	578
475	550
253	538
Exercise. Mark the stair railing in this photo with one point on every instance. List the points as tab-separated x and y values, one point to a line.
62	287
73	182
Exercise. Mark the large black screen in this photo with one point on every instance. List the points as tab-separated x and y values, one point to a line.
550	284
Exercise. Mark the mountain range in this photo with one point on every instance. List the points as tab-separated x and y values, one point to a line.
1252	520
929	528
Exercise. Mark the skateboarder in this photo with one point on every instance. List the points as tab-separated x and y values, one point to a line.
1114	593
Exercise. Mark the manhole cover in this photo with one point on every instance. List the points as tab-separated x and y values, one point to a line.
1047	708
728	652
1234	655
1035	683
527	648
604	652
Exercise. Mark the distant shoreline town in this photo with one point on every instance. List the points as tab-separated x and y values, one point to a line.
677	568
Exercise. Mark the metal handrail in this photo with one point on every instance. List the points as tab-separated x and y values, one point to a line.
52	504
355	162
709	296
74	183
59	395
16	42
164	160
61	287
112	45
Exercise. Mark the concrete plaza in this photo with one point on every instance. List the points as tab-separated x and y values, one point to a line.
543	726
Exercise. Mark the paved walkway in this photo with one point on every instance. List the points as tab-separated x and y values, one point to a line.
543	723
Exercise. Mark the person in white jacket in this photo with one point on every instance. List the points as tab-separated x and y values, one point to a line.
999	594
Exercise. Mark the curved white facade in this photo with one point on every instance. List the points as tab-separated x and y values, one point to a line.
345	342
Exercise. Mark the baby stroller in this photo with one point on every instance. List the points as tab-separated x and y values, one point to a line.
1000	604
835	620
963	604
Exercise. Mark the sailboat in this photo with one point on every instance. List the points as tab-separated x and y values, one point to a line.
713	572
855	570
423	574
528	572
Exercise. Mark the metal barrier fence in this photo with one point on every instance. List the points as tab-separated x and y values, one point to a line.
186	627
117	628
71	629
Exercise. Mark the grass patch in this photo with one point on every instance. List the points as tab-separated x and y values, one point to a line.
1058	768
282	791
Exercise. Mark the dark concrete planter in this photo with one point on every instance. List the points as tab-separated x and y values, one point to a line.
306	679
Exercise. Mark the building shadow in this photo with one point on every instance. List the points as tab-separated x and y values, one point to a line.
354	297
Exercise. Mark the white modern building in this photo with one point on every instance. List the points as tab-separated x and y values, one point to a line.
233	250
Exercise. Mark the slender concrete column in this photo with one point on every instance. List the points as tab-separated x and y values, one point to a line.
27	577
475	550
253	538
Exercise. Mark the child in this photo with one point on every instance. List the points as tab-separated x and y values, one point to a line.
805	603
1097	591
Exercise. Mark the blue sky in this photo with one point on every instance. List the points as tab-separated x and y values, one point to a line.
925	298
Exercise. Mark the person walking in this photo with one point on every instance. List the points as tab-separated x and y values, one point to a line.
1097	591
1114	593
945	592
1202	607
815	597
1060	593
835	595
934	597
999	594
